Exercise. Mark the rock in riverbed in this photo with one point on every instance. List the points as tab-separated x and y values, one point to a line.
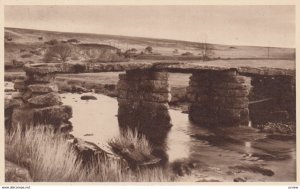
49	99
88	97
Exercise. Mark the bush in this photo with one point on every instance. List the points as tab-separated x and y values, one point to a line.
58	53
148	49
51	42
8	38
79	68
187	54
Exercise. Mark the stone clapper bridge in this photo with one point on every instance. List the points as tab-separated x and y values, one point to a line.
218	95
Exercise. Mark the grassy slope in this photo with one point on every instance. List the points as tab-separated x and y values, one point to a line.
29	38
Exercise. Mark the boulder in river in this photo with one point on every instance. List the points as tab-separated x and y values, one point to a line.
49	99
79	89
88	97
133	157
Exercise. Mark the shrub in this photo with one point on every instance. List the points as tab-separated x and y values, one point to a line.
8	38
130	53
148	49
58	53
187	54
79	68
51	42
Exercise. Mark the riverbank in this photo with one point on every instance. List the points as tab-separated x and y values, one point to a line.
42	155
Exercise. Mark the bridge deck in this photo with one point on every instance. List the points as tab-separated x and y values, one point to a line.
249	67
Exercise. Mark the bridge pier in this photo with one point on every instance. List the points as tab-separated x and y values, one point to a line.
143	103
38	101
281	92
219	98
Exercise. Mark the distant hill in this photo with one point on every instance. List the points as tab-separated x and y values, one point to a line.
18	41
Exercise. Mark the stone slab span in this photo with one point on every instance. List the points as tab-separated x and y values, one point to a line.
274	68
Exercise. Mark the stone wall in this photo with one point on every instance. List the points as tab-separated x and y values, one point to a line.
143	97
37	100
219	98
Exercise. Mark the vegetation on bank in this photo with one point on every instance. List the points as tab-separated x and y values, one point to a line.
132	140
49	157
288	128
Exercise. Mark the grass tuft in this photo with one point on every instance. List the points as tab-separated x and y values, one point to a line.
130	139
49	157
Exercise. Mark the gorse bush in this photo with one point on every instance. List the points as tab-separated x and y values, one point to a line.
50	157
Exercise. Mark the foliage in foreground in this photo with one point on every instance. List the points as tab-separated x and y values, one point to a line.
50	157
132	140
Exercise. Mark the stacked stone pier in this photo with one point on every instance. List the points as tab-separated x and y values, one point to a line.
219	98
218	93
37	99
143	102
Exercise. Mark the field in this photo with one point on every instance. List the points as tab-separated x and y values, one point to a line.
29	46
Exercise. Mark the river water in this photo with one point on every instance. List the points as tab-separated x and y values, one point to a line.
221	154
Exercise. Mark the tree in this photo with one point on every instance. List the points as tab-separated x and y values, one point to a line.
60	53
148	49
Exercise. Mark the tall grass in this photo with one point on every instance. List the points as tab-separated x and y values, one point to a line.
131	139
49	157
46	154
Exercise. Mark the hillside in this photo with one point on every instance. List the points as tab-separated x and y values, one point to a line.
23	41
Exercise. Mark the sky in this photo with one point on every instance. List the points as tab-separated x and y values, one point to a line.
254	25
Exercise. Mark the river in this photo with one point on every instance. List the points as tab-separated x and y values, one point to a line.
224	154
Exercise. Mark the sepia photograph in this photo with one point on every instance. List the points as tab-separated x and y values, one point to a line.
149	93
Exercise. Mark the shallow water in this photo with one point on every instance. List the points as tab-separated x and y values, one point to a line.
220	154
